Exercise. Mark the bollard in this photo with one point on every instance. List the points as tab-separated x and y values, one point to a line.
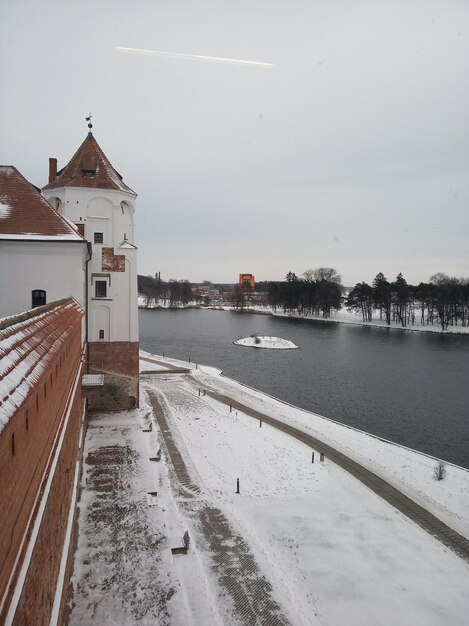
199	392
231	408
260	423
312	457
189	359
163	355
237	485
321	456
196	366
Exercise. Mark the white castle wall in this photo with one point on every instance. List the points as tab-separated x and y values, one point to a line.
110	212
55	267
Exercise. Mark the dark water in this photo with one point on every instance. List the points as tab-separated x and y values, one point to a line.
408	387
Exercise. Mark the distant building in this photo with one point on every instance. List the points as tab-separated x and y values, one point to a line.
246	281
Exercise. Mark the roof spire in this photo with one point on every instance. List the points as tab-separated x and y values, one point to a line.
88	119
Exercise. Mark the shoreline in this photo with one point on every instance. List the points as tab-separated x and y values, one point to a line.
346	319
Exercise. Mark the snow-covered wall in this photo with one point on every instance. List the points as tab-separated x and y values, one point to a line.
40	415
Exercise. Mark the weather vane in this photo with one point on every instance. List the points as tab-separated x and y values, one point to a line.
88	119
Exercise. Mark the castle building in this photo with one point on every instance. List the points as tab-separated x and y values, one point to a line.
42	255
68	299
91	194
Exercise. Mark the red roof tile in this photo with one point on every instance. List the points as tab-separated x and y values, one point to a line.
89	167
28	343
25	213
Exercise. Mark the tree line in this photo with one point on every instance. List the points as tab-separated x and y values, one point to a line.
172	292
316	292
444	300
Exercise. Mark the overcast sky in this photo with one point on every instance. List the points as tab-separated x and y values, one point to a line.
349	148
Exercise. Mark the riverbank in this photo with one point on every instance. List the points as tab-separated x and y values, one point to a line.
346	317
339	317
302	543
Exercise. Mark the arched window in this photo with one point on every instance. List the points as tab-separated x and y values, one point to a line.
38	297
56	203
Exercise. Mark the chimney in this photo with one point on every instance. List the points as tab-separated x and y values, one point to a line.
52	169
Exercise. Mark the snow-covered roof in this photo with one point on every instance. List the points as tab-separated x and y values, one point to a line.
26	214
28	343
89	167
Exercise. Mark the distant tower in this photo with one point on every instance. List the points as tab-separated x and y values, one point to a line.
91	193
247	281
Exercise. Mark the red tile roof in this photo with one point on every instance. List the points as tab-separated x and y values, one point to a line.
26	214
89	167
28	343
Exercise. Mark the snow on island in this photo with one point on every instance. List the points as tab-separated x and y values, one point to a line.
259	341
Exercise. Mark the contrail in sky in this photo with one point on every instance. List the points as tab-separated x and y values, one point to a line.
193	57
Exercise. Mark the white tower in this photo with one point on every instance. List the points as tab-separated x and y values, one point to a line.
91	194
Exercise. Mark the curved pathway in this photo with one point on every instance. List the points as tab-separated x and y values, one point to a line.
426	520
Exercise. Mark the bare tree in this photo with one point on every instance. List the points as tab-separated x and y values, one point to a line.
439	471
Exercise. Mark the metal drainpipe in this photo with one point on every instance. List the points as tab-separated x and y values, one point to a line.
90	253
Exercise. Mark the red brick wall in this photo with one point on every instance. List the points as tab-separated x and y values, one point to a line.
34	427
121	358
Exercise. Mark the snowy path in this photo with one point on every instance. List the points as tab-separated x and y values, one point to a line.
231	558
396	498
304	544
332	551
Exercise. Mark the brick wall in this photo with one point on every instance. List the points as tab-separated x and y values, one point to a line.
119	361
26	444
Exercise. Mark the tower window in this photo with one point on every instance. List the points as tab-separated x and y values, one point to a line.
98	238
100	289
101	334
38	298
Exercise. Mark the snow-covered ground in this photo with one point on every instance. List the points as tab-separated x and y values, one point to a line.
260	341
329	550
348	317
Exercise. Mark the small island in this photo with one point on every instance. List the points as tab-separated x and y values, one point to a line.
259	341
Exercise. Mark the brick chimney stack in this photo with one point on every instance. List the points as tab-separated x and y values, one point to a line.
52	169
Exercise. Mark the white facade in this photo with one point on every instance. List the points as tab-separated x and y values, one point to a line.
56	267
107	218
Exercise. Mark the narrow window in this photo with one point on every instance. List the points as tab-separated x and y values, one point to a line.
38	298
12	439
50	380
45	390
26	419
100	289
37	403
98	238
101	334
